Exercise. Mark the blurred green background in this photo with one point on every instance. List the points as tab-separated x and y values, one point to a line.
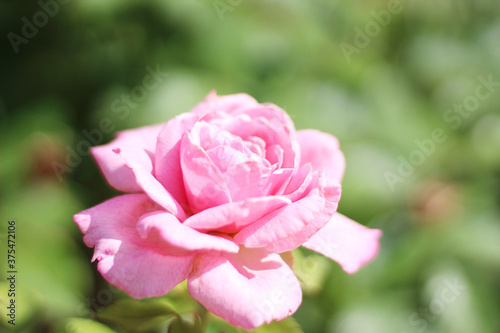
382	76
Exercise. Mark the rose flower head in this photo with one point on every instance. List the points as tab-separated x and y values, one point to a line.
214	196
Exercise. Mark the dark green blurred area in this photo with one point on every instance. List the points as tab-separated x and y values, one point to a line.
439	265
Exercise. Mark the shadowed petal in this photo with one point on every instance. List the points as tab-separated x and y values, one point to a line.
247	289
205	186
167	163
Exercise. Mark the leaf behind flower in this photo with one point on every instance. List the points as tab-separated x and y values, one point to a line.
137	316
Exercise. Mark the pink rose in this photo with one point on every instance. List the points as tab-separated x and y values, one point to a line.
216	195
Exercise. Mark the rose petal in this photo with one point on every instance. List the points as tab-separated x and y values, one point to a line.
271	112
299	183
279	180
349	243
272	133
111	165
280	119
274	155
227	104
232	217
125	259
143	272
332	196
205	186
140	165
287	228
175	238
247	289
167	162
322	151
247	180
225	156
123	213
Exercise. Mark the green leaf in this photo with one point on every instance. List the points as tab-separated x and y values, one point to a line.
287	325
218	325
80	325
178	325
137	316
180	300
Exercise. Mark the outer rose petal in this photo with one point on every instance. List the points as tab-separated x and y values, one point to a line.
143	272
227	104
247	289
111	165
349	243
322	151
287	228
167	159
125	259
234	216
294	240
173	237
140	165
